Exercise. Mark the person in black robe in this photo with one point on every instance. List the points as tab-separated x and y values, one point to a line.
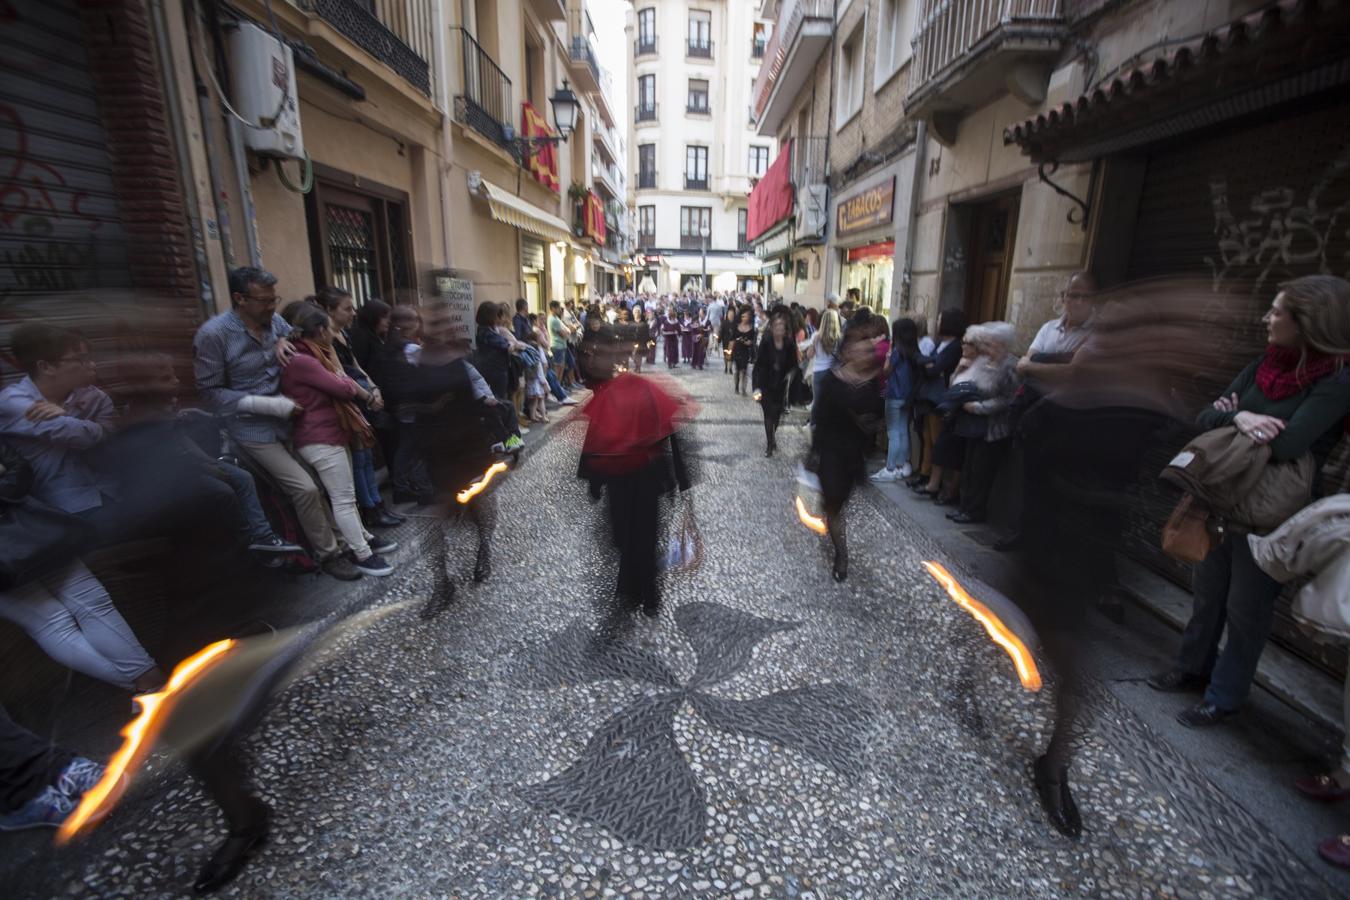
742	348
633	456
774	365
848	416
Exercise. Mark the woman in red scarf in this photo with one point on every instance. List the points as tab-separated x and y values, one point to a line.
1292	399
327	428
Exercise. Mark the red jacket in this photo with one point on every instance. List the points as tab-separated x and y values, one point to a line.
307	382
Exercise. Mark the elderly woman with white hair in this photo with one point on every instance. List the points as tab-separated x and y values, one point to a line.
981	395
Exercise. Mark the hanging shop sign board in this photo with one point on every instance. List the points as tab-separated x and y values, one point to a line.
866	209
459	293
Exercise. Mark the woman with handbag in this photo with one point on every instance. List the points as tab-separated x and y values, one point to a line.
982	417
848	416
1293	399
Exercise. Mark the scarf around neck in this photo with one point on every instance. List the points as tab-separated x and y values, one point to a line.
1284	371
349	415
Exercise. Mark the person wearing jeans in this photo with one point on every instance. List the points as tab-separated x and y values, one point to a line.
40	782
239	356
900	375
330	423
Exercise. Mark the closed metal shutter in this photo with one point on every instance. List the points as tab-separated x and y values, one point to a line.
61	237
1244	211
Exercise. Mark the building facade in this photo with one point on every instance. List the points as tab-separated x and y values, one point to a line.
693	154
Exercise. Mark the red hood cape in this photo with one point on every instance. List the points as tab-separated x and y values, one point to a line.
630	415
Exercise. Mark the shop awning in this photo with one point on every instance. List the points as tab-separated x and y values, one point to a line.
693	262
771	200
1288	50
522	214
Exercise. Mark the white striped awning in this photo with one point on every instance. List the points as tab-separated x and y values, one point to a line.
522	214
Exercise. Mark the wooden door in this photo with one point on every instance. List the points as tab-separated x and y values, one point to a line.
992	240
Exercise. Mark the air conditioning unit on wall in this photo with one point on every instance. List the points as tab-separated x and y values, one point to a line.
262	88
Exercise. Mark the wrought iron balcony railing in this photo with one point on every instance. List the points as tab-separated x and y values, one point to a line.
399	33
700	49
951	30
646	178
484	102
644	46
696	184
584	51
645	113
691	242
698	109
646	238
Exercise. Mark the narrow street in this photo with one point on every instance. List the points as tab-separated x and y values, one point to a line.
772	734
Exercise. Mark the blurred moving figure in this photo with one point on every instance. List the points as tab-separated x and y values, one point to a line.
1291	399
848	416
48	421
774	364
633	456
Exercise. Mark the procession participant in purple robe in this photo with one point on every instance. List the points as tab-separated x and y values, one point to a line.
670	329
702	333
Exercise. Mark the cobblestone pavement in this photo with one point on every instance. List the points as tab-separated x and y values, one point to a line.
772	734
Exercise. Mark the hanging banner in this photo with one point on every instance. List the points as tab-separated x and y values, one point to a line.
543	161
771	200
866	209
595	217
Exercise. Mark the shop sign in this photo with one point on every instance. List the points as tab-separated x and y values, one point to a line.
866	209
778	243
459	293
882	250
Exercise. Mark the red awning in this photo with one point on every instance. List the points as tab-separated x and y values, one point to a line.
771	200
882	250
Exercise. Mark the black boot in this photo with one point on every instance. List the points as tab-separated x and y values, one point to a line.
1052	786
384	518
482	567
233	853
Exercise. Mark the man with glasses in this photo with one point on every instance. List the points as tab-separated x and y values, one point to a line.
1059	339
238	359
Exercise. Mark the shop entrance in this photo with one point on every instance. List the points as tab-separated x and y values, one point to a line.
989	247
870	269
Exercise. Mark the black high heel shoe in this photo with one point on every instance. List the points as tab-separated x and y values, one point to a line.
1053	790
482	568
233	854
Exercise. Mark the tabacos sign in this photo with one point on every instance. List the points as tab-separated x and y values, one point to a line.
866	209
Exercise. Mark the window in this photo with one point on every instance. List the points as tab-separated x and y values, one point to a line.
646	108
647	226
759	40
362	234
695	168
698	95
646	42
895	29
850	78
646	165
759	160
693	221
700	33
742	221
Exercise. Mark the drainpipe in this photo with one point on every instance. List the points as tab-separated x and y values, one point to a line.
916	183
440	47
236	140
829	135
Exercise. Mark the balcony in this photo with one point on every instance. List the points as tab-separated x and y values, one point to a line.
968	52
550	10
802	32
698	49
581	53
644	46
696	184
809	165
484	103
645	113
646	179
605	140
607	179
757	49
698	109
646	239
398	33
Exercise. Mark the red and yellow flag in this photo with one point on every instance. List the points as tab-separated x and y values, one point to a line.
595	217
543	162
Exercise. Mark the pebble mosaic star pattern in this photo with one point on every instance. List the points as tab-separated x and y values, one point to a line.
632	778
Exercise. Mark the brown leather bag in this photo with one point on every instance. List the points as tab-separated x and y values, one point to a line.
1186	535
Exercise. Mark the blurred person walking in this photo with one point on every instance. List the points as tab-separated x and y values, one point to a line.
774	365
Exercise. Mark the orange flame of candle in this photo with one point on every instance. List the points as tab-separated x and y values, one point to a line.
1001	634
481	484
815	523
138	737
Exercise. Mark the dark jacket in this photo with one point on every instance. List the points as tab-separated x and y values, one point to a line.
773	367
935	372
493	361
1313	415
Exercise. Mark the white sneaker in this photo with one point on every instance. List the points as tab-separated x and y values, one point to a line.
883	475
568	401
905	471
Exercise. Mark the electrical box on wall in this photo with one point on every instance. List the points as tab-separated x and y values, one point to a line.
262	89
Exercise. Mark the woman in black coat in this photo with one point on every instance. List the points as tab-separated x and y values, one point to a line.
774	365
848	416
935	374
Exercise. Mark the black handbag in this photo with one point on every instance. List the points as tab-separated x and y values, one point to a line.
37	539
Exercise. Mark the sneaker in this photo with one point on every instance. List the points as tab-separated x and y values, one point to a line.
341	568
523	430
881	475
274	544
567	401
514	443
906	471
47	810
78	777
382	545
374	564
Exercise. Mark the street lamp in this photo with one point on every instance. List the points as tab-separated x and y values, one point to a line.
705	232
